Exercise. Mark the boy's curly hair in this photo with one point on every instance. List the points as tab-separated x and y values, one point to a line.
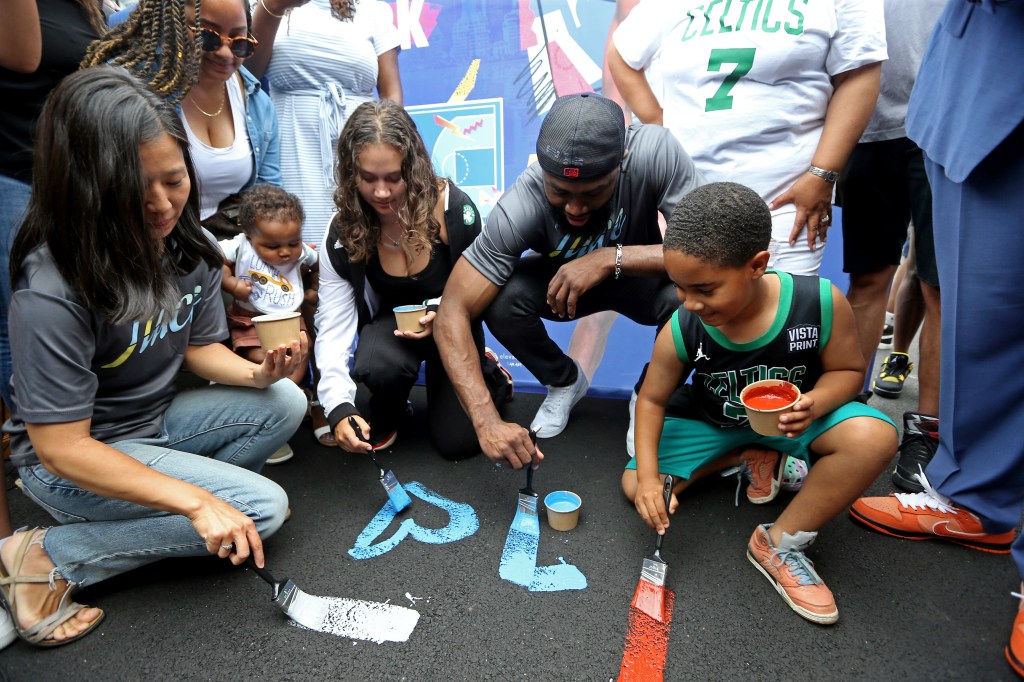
268	202
723	223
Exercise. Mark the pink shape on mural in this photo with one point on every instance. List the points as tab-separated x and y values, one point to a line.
527	38
428	17
566	77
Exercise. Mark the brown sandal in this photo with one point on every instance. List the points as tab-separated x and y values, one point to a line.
36	635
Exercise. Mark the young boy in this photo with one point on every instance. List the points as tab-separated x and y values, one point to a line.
264	270
741	323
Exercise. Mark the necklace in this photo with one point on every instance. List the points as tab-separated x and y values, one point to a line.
389	241
223	101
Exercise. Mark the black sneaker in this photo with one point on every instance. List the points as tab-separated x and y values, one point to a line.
920	441
894	371
885	342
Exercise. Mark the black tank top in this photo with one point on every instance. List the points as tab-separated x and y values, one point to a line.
427	283
789	350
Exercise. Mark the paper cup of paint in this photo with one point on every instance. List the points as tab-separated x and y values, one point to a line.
276	328
563	509
408	317
765	401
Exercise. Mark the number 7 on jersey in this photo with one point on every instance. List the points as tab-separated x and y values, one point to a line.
743	58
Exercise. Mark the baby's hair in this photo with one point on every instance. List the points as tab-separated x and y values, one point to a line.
723	223
268	202
155	44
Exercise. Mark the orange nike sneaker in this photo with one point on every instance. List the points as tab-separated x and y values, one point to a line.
928	516
764	473
1015	649
792	574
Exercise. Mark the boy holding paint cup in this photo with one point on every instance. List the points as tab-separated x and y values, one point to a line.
740	323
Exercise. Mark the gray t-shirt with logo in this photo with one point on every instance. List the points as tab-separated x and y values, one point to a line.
71	364
656	174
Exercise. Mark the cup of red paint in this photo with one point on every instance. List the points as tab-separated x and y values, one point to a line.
563	509
765	401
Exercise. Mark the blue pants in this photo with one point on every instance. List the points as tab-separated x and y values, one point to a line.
215	437
14	197
980	249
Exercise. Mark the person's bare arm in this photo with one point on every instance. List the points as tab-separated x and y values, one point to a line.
389	80
21	38
663	376
634	88
216	362
848	113
266	18
842	371
466	296
580	275
68	450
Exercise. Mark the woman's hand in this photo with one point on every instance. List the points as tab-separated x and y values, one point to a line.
796	422
427	321
812	197
228	533
281	362
346	437
650	503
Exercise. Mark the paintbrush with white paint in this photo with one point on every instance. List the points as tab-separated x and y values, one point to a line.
650	591
396	493
305	609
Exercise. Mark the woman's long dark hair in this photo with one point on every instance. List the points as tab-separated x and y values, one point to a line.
88	197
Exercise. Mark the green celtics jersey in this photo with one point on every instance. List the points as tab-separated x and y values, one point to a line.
790	349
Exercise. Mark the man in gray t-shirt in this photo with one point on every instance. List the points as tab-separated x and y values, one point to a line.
588	210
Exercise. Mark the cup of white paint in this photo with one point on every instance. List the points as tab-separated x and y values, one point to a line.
563	509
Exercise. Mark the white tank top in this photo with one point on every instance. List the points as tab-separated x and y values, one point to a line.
222	171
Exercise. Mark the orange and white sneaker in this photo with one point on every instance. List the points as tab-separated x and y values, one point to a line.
792	574
1015	649
928	516
764	473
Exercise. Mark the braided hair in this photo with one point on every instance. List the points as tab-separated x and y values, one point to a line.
154	43
342	10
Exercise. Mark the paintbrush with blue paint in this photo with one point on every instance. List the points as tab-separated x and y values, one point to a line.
396	493
519	558
650	591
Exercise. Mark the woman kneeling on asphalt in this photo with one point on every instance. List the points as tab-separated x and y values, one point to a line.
117	288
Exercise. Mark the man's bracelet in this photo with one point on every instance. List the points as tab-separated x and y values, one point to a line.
618	260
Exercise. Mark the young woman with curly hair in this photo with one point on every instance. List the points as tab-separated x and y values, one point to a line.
397	234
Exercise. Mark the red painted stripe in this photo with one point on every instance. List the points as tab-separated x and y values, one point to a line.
646	645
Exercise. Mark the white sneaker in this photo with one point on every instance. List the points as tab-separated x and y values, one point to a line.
554	412
282	454
7	632
630	447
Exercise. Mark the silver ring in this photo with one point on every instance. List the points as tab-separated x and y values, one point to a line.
228	547
825	219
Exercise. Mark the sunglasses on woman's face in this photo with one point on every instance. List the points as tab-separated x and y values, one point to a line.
241	47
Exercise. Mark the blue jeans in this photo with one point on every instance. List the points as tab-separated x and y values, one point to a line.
13	202
215	437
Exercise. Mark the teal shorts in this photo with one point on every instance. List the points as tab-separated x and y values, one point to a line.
688	444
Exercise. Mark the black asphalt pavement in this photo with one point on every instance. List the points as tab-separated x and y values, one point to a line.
908	610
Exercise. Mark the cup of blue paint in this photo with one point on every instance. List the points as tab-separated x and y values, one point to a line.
563	509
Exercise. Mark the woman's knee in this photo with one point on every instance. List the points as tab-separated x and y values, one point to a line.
269	506
289	404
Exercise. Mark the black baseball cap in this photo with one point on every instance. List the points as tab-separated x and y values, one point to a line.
583	137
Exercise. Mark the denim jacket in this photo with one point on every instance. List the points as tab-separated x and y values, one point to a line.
261	124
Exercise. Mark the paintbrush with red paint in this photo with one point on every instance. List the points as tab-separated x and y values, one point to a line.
650	591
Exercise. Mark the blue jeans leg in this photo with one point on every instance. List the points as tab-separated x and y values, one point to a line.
217	439
14	197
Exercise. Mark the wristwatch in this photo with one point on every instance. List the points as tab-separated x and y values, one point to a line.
826	175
